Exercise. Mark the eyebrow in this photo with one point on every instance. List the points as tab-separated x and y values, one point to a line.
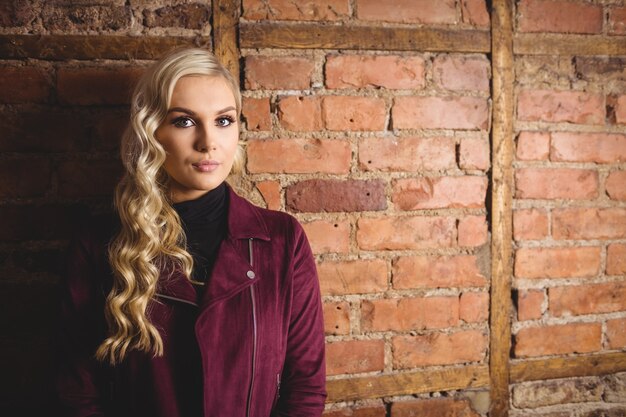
192	113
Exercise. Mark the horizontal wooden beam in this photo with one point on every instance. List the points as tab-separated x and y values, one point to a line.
474	376
306	36
586	365
549	44
61	47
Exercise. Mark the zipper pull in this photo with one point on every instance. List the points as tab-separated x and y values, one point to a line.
277	386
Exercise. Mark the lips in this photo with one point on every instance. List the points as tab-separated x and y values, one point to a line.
206	165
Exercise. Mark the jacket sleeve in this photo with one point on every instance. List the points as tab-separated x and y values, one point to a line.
303	383
80	377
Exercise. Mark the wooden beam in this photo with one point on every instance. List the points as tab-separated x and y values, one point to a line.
62	47
473	376
306	36
551	44
225	22
501	204
586	365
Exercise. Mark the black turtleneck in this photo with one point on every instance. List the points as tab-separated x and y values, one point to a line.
204	221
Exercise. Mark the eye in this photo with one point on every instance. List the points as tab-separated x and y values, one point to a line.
183	122
224	121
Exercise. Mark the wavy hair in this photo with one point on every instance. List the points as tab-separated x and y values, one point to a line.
151	238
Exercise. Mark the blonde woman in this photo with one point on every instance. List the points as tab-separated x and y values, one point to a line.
191	301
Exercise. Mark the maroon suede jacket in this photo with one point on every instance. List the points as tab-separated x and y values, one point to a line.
253	346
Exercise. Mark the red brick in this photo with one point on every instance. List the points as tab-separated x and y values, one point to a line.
559	16
440	192
17	14
619	108
406	232
24	177
530	304
82	18
530	224
301	10
459	72
408	11
299	156
406	154
188	16
588	147
96	85
352	277
355	356
616	333
376	411
475	12
473	231
440	113
278	73
354	113
439	349
617	20
435	407
409	313
336	195
439	272
533	146
337	318
24	85
37	222
300	113
558	340
616	259
616	185
375	71
270	190
109	125
474	154
326	236
561	106
256	113
557	262
556	183
589	223
587	299
88	178
474	307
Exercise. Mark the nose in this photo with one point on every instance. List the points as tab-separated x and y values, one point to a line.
204	141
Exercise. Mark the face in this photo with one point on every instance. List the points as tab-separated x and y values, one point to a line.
199	134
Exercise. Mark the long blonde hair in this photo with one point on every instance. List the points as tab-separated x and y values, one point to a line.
151	239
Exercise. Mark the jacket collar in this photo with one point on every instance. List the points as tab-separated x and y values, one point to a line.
244	219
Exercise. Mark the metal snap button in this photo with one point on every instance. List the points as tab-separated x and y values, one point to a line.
250	274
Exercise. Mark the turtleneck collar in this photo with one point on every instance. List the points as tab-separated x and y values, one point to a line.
208	208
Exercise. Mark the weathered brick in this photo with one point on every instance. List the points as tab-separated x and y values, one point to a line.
88	178
533	146
278	73
459	72
616	333
17	13
25	177
439	192
472	231
616	109
617	20
270	190
474	307
299	156
256	113
336	318
37	222
530	304
545	393
470	113
530	224
589	223
96	85
406	232
354	113
301	10
408	11
439	349
409	313
439	272
588	147
336	195
406	154
24	85
474	154
375	71
558	340
616	259
600	68
434	407
300	113
81	18
587	299
189	16
556	183
557	262
616	185
561	106
327	236
108	127
544	71
354	356
559	16
475	12
352	277
376	411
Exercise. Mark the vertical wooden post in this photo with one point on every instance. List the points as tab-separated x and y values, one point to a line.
501	207
225	33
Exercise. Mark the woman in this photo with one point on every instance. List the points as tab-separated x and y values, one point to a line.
192	302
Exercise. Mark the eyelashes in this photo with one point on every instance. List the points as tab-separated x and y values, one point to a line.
185	121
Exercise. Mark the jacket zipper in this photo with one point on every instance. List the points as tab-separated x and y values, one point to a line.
254	330
176	299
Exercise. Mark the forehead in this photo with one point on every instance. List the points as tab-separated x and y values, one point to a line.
202	90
